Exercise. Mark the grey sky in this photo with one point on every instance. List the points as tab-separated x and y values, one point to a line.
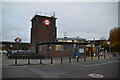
84	19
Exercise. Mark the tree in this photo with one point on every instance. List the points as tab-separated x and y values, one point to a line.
104	44
114	37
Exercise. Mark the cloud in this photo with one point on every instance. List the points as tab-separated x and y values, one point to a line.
84	19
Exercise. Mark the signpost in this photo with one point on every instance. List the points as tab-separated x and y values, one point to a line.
17	40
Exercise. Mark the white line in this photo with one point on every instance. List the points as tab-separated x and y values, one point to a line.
101	64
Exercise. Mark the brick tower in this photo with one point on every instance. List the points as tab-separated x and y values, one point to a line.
43	30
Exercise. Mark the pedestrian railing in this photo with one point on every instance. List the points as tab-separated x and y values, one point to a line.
60	60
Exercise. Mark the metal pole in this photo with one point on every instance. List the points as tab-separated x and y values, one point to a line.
92	52
15	60
104	56
51	60
84	59
93	45
61	59
40	60
28	61
110	51
91	56
85	55
78	59
98	56
17	47
70	60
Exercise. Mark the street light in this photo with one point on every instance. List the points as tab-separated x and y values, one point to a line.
108	43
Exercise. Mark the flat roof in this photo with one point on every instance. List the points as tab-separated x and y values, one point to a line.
70	39
77	43
43	16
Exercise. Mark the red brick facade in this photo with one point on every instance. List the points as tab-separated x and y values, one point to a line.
41	32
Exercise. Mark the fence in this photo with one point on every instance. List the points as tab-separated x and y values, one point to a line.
59	60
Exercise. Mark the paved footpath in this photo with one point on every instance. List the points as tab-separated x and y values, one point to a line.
108	68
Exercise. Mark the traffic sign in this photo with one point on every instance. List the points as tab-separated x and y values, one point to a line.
17	40
74	45
47	22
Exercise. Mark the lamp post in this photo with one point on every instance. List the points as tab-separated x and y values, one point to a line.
108	43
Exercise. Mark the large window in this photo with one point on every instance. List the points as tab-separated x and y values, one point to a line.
62	47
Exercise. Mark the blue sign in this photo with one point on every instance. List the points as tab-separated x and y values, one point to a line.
74	46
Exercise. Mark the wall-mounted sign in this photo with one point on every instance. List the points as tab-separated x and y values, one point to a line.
81	50
46	22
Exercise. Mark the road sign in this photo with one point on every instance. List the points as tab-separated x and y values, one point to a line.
94	75
74	45
47	22
17	40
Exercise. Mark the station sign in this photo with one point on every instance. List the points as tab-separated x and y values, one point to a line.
17	40
46	22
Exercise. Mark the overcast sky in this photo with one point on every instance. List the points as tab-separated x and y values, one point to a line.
87	20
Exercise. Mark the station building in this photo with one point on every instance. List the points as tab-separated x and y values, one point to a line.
44	40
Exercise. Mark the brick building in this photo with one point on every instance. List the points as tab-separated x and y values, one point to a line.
43	30
45	42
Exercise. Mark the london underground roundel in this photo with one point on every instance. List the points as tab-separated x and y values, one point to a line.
18	40
47	22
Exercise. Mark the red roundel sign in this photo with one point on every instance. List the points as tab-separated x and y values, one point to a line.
18	40
47	22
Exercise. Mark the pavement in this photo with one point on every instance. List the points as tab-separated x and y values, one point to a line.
108	68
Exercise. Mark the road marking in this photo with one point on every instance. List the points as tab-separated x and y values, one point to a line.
94	75
101	64
89	65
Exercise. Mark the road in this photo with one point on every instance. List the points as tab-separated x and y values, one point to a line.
108	68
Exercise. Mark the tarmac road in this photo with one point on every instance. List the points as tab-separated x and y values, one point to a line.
106	67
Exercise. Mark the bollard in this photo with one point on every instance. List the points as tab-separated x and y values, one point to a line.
51	60
84	59
110	57
70	60
61	59
28	61
91	57
78	59
98	57
40	61
15	60
104	56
